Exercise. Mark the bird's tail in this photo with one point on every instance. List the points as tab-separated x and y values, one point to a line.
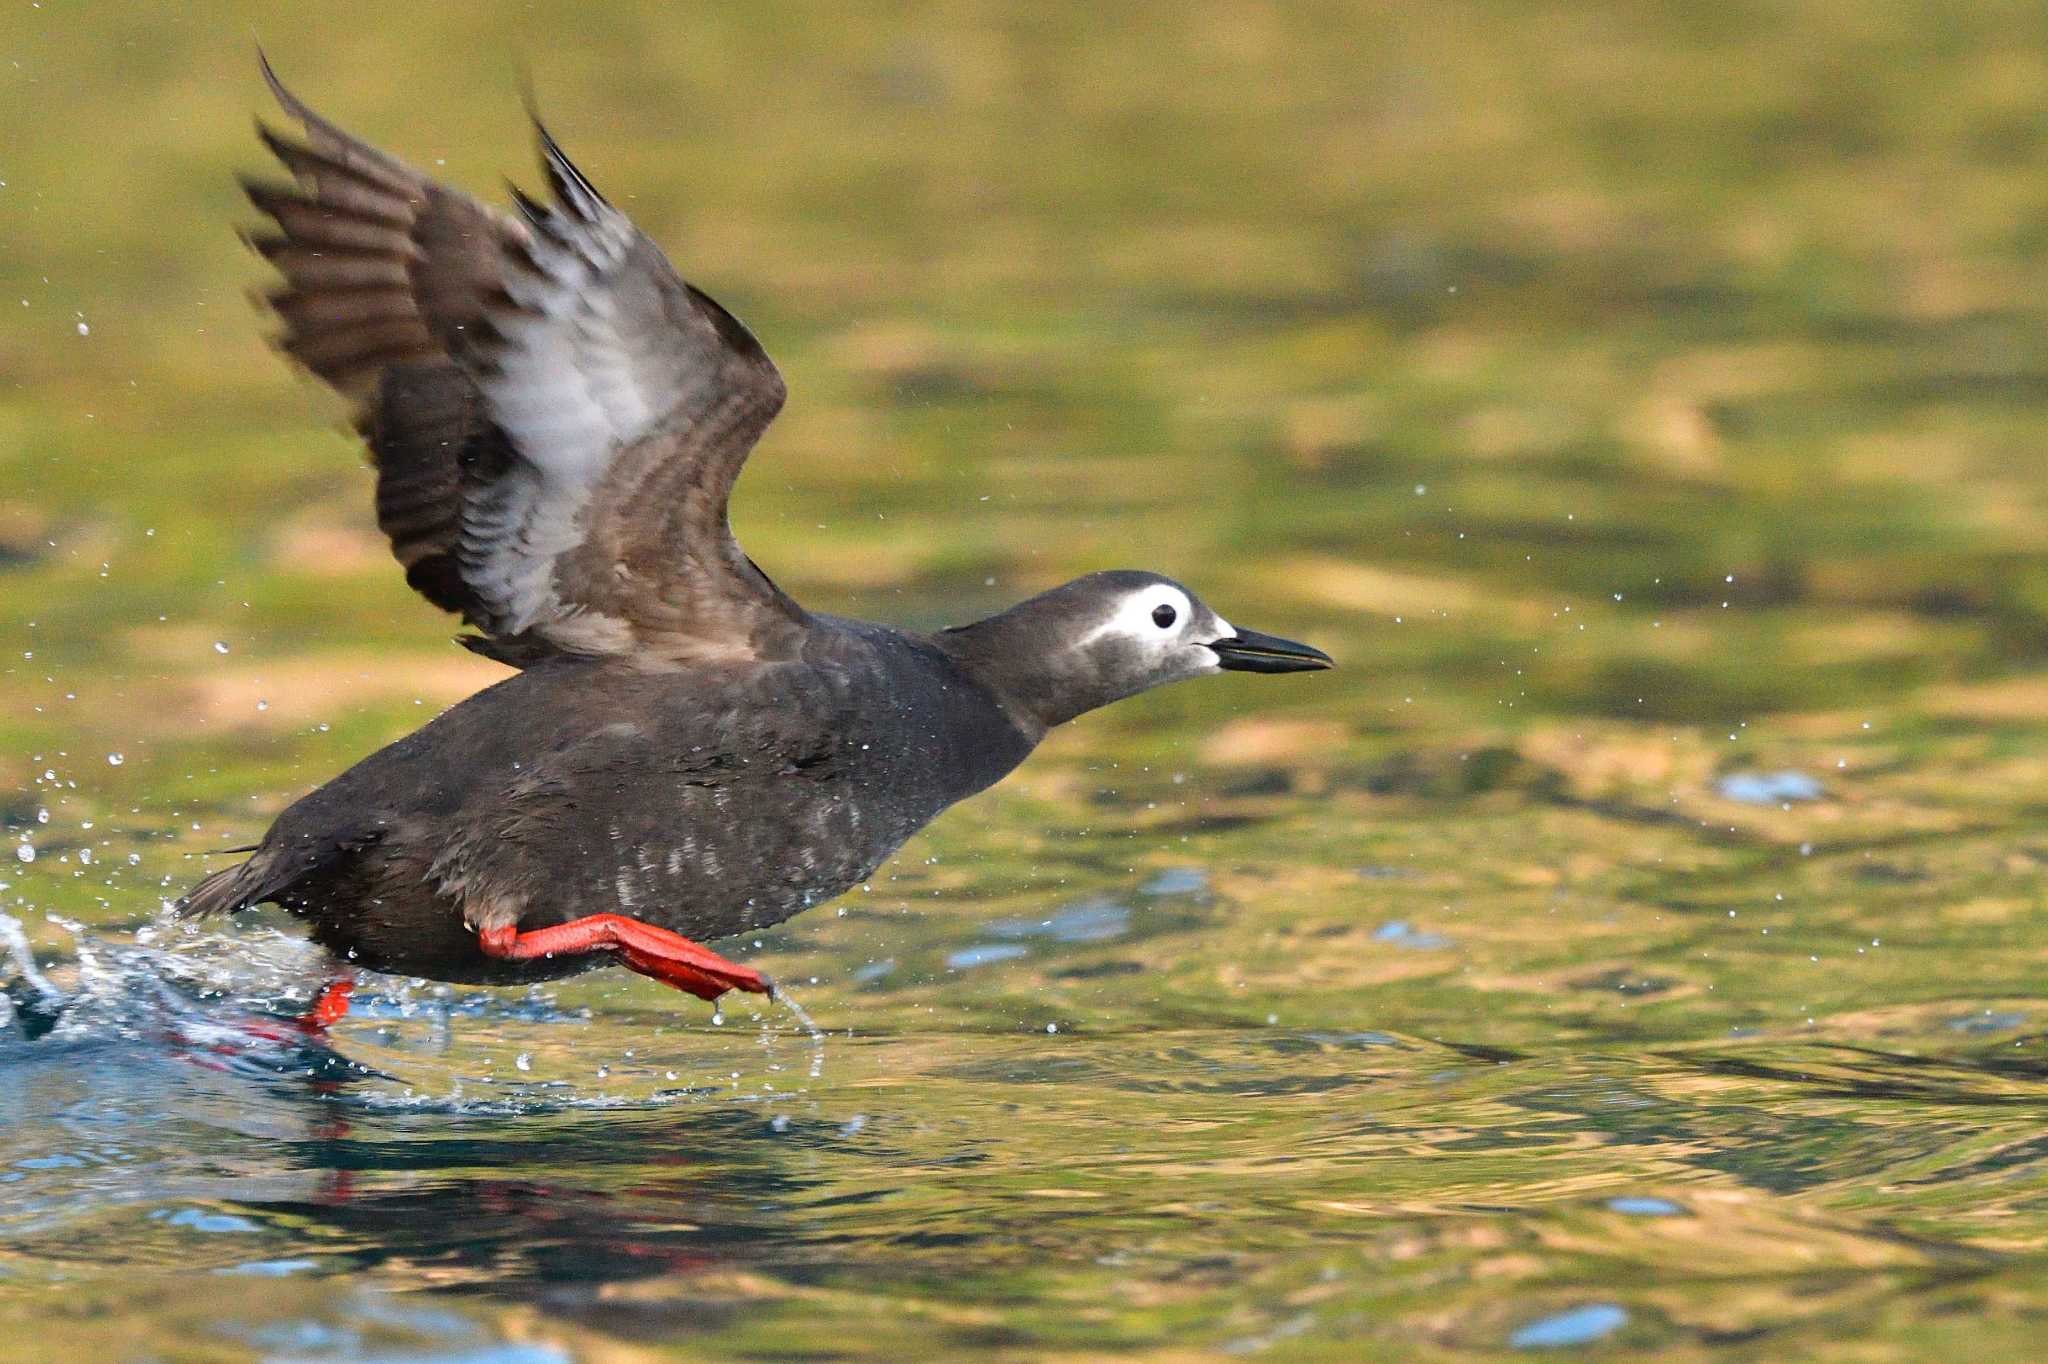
224	892
280	864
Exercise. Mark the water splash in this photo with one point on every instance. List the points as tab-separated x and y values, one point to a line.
232	1001
811	1029
48	1000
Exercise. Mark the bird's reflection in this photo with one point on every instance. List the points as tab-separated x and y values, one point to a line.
585	1198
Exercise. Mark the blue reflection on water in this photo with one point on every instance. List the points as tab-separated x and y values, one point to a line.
1638	1206
1574	1327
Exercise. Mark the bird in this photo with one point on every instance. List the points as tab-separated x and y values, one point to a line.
683	753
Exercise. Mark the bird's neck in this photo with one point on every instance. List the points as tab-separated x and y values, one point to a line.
1006	655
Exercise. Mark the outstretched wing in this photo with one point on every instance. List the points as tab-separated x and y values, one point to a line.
555	416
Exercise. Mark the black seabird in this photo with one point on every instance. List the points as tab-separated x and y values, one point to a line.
556	419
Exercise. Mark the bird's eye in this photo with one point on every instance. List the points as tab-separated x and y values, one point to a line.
1164	616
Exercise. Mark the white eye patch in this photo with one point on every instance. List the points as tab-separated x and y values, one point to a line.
1157	612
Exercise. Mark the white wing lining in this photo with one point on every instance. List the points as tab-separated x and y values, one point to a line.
568	388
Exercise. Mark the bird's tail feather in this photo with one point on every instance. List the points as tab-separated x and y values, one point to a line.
223	892
278	866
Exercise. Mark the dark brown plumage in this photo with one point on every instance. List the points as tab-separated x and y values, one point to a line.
512	374
556	419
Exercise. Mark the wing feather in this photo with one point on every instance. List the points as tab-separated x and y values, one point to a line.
556	417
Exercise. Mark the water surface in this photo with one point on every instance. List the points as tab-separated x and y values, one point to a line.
1638	945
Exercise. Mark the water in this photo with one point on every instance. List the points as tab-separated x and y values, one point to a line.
1637	945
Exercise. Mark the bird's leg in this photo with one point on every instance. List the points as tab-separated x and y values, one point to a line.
668	957
330	1006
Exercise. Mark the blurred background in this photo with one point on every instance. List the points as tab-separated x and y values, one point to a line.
1638	940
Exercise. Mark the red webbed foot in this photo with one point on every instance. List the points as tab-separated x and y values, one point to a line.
330	1006
667	957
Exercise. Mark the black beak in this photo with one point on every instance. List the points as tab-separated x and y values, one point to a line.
1248	651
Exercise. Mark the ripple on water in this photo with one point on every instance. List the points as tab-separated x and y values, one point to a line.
1768	788
199	1220
375	1328
1577	1326
1177	881
1639	1206
269	1269
967	958
1401	933
1097	920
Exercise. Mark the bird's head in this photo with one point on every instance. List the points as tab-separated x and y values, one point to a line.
1110	635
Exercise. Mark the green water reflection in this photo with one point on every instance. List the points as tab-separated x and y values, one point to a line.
1637	944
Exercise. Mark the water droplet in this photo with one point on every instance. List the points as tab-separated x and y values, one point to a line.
25	851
